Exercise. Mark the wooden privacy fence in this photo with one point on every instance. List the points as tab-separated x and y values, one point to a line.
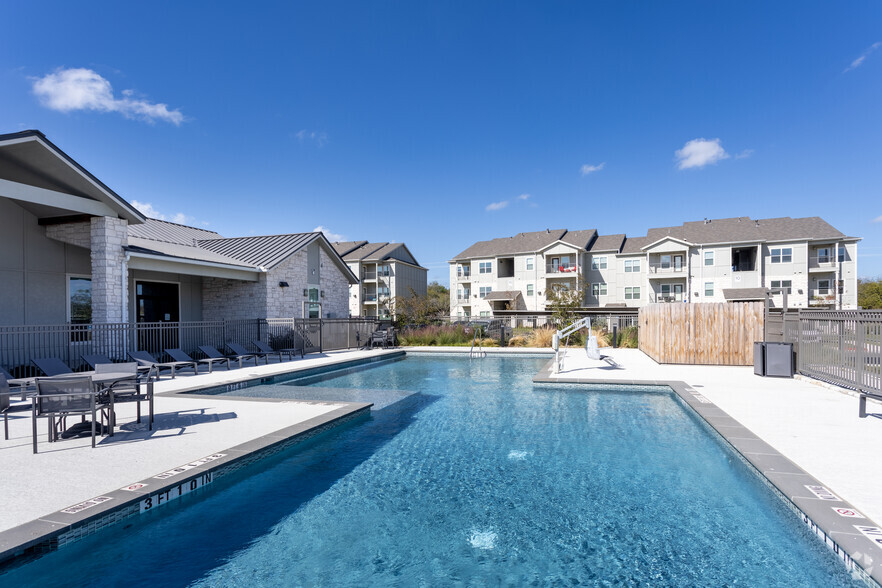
701	334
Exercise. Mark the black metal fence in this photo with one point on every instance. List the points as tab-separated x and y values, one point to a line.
843	347
20	344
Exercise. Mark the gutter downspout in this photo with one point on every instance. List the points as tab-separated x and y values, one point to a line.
124	278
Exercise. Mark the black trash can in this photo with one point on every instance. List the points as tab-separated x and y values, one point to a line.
759	358
778	360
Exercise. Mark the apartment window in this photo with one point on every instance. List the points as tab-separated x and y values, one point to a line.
383	291
841	256
383	270
484	290
598	289
784	255
80	300
463	271
529	289
529	263
708	258
485	313
665	289
632	293
632	266
708	288
485	267
783	284
665	261
598	262
823	287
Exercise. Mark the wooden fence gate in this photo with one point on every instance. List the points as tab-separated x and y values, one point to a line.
701	334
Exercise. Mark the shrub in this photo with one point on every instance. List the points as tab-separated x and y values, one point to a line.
434	335
519	341
542	337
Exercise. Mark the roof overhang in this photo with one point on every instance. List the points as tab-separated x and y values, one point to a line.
181	265
664	239
49	183
559	242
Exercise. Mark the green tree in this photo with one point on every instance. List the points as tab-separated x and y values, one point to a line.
419	310
564	301
438	292
870	293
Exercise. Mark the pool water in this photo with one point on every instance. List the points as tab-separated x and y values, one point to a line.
476	478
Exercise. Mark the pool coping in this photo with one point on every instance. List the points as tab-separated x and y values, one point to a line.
817	508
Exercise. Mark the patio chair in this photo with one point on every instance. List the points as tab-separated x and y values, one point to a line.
378	338
4	403
240	351
133	388
212	352
264	348
390	337
20	385
51	366
58	398
145	359
181	355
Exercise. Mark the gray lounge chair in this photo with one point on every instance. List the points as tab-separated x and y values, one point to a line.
240	351
95	359
145	359
213	353
51	366
181	355
58	398
264	348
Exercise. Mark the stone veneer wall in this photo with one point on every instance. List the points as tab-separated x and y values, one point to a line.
336	287
233	299
79	234
287	302
108	236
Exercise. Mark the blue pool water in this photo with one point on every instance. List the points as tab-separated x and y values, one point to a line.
476	478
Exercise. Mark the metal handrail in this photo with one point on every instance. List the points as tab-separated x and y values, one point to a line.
480	354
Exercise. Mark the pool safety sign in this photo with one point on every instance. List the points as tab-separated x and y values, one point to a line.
848	512
175	492
874	534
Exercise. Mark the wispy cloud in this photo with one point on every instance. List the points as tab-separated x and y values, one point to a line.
878	219
744	154
590	169
330	235
496	205
148	209
317	137
699	153
860	60
71	89
523	197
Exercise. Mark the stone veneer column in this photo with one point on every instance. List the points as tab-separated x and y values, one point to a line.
109	280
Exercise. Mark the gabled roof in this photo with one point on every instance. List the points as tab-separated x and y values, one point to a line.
264	251
160	230
527	243
364	251
742	229
634	244
344	247
605	243
53	178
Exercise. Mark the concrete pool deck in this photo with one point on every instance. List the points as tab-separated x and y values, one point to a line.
187	430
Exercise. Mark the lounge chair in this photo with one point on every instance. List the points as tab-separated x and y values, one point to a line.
61	397
181	355
127	386
264	348
240	351
52	366
95	359
145	359
213	353
4	403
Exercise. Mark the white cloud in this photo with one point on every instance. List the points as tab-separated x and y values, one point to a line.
523	197
497	205
83	89
319	138
744	154
857	62
590	169
699	153
878	219
331	236
148	210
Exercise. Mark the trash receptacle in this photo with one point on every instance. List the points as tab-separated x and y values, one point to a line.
778	359
759	358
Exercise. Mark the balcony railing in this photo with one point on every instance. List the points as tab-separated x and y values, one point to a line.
667	268
463	297
463	272
822	262
369	275
561	268
370	297
668	298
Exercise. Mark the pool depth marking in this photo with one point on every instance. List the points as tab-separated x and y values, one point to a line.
189	466
822	492
176	492
86	504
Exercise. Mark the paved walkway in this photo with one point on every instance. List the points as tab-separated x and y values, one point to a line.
186	429
814	426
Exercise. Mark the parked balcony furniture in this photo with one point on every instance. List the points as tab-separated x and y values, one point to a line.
561	268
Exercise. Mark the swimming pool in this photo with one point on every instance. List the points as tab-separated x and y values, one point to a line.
476	477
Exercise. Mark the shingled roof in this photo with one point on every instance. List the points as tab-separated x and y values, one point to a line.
364	251
743	229
608	243
527	243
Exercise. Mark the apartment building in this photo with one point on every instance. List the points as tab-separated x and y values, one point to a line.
713	260
386	271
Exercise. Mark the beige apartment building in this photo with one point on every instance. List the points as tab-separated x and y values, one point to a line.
713	260
385	271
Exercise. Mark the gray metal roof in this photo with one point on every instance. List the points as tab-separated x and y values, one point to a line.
526	243
159	230
164	248
744	294
608	243
265	251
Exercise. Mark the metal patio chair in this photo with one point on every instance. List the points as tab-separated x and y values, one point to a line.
264	348
57	398
145	359
128	385
181	355
213	353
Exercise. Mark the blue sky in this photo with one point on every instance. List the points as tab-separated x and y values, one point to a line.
440	124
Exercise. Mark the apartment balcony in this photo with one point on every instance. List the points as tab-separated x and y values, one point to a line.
365	275
659	271
560	270
463	298
370	298
821	298
822	263
668	298
464	273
